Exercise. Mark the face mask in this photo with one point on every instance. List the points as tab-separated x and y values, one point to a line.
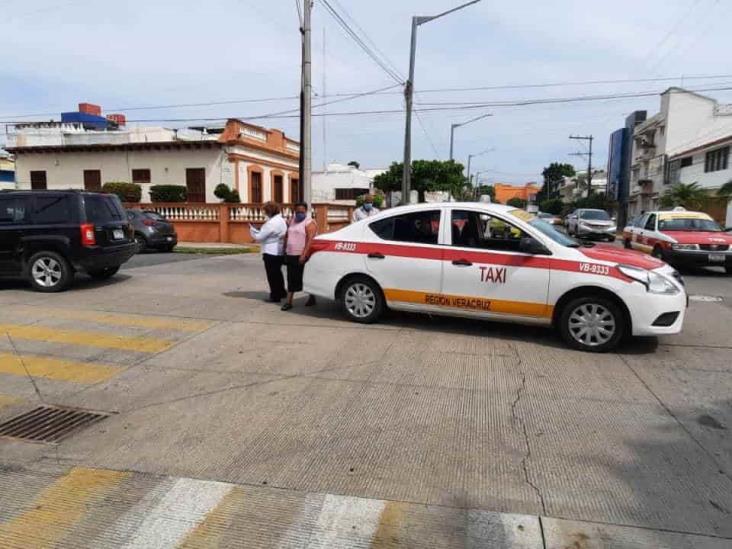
300	217
367	206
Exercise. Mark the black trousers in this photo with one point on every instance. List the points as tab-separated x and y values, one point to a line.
295	271
273	267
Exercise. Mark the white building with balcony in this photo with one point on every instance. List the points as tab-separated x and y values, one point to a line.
342	183
686	120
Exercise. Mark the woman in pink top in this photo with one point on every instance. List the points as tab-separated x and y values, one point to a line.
301	230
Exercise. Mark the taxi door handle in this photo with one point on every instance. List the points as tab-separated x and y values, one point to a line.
376	255
462	263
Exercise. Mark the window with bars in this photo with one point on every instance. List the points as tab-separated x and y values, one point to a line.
350	194
255	196
141	176
716	160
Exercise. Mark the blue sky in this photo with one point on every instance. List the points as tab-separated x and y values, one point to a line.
141	53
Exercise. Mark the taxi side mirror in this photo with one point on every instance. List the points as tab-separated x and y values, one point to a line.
529	245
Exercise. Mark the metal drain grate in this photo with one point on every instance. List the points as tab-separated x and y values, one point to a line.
48	423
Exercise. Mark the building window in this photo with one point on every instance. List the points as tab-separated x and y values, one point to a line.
255	187
92	180
295	195
349	194
278	191
141	176
38	180
716	160
686	161
196	184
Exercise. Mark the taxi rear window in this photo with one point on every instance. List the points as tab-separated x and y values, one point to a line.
422	227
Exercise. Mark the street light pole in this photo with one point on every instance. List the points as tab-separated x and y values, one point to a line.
409	96
306	146
453	126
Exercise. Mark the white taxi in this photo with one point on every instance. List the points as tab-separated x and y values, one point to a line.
495	262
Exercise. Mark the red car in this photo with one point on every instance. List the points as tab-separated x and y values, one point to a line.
681	238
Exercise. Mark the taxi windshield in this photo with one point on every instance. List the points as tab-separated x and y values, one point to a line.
688	224
547	229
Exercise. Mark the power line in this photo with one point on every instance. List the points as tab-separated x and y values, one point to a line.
426	134
354	36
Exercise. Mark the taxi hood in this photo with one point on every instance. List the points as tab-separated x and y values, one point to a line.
700	237
608	252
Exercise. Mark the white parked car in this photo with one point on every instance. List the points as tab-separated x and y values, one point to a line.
591	223
495	262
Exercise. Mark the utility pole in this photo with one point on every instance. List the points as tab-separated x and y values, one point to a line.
409	95
589	139
306	145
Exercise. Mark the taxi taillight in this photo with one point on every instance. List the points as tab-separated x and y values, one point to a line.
88	238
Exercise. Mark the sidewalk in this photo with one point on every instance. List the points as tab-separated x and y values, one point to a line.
83	507
216	248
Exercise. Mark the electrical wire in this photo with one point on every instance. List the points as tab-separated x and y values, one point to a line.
359	41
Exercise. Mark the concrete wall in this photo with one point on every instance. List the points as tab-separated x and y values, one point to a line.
339	176
66	170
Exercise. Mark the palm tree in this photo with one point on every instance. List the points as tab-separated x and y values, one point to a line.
726	189
688	195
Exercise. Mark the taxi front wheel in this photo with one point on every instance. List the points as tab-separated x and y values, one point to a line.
592	323
362	300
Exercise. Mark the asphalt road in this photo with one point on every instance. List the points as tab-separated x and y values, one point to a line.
148	259
232	423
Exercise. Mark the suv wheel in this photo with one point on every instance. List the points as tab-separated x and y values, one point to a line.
594	324
103	274
141	242
361	300
49	272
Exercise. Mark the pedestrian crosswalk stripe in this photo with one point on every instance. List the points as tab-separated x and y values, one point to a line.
58	508
53	368
118	319
209	532
92	339
337	516
390	524
182	508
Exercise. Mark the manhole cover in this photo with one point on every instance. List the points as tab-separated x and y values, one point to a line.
706	298
48	423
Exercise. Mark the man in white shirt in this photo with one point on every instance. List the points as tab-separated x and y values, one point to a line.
271	237
366	210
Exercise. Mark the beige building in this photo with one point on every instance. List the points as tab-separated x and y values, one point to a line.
262	164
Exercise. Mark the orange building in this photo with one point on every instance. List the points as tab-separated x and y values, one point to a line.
505	192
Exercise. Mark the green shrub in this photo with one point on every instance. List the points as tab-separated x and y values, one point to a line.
551	205
516	202
233	197
168	193
127	192
222	191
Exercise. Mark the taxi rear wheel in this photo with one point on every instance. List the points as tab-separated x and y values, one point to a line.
592	323
361	300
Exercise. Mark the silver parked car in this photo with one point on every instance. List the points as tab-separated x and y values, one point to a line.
590	223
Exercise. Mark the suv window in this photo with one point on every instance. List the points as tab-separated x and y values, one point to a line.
651	223
481	230
101	208
48	210
12	210
422	227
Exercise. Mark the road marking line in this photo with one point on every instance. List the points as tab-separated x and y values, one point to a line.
180	511
92	339
209	532
58	508
346	522
391	522
56	369
133	320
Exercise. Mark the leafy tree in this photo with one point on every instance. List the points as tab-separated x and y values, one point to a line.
427	176
552	206
596	201
554	174
516	202
490	190
355	164
687	195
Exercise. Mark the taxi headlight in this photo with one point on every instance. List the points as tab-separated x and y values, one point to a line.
684	247
654	282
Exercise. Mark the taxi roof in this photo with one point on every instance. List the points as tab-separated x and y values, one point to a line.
679	214
487	206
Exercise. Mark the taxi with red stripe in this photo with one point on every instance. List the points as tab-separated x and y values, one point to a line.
495	262
681	238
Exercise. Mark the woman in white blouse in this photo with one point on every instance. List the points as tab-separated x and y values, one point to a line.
271	237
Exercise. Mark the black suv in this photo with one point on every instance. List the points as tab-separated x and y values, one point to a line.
46	236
